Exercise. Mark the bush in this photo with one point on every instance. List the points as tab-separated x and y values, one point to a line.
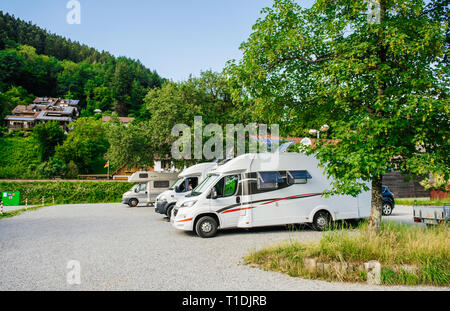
66	192
52	168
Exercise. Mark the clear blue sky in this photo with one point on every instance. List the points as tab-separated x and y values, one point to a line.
174	37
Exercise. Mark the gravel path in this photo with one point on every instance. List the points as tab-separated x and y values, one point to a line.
120	248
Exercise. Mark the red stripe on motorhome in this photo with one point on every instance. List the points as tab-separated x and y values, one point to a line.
286	198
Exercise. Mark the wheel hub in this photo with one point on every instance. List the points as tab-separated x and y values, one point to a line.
321	221
206	227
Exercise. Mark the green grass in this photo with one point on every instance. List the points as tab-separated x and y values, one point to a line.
21	211
427	249
411	201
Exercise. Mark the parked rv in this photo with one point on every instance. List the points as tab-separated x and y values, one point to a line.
265	189
187	180
149	186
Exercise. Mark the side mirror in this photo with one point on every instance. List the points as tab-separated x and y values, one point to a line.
136	190
214	194
177	189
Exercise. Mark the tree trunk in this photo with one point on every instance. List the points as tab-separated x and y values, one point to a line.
375	213
377	201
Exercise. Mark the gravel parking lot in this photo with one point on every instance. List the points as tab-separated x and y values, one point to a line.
121	248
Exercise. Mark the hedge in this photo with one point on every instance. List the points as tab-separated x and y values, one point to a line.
66	192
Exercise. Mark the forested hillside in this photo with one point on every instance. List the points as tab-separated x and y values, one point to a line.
34	62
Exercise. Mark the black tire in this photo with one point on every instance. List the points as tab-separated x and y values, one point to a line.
322	221
206	227
386	209
169	211
133	202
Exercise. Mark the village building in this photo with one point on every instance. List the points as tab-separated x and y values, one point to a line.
43	109
124	120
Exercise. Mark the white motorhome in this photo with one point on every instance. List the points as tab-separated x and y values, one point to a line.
149	186
265	189
187	180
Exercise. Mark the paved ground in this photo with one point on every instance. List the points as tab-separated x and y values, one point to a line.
120	248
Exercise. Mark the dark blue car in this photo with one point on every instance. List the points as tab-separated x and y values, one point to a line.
388	201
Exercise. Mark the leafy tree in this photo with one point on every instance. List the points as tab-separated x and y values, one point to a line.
84	144
48	135
381	86
13	97
10	68
132	145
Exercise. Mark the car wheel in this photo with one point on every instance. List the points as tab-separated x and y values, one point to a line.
386	209
133	202
169	211
206	227
321	221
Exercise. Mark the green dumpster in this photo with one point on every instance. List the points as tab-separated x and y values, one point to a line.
11	198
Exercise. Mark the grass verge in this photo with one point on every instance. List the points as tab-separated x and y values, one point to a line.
22	210
424	251
411	201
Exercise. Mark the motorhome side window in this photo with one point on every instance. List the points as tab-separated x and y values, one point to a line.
269	180
143	175
299	177
161	184
227	186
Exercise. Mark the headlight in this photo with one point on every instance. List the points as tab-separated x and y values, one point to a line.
188	204
162	199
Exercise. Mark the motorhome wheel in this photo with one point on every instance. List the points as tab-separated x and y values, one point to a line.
133	202
321	221
206	227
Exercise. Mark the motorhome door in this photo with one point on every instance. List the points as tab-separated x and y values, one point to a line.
228	201
142	193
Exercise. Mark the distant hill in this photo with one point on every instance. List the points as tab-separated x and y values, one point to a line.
46	64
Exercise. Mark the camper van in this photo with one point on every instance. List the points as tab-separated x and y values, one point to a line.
148	186
265	189
187	180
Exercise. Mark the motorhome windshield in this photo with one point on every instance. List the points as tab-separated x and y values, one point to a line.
205	185
177	183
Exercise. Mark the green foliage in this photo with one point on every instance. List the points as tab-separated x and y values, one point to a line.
84	144
53	168
3	130
13	97
150	136
72	170
19	157
48	135
66	192
382	87
133	145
